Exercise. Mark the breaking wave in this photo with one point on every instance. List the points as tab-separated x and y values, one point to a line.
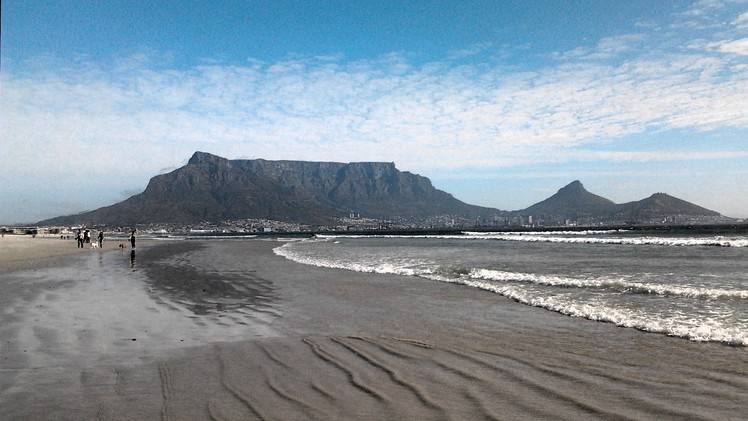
696	330
618	285
565	237
522	287
580	237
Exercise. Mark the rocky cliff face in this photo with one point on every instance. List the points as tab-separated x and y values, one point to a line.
212	188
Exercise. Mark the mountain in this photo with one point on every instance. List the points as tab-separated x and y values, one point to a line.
571	202
574	203
211	188
660	206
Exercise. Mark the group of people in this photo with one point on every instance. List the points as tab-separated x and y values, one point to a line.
84	237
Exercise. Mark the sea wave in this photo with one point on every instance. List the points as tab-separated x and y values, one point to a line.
620	285
582	237
510	284
403	267
411	267
715	241
697	330
555	233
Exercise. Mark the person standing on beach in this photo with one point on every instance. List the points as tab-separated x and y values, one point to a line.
79	238
132	239
101	239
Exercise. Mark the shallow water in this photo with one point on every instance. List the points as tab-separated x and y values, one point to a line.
125	306
691	286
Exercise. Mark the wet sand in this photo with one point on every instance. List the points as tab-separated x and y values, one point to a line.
229	331
27	252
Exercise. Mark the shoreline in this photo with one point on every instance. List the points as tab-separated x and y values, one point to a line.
331	344
23	252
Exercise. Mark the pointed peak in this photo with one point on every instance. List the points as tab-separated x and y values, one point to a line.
575	185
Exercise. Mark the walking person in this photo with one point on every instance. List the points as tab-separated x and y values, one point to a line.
101	239
132	239
79	238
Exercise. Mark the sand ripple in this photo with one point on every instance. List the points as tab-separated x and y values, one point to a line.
378	378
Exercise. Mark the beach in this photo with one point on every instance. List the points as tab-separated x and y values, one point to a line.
228	330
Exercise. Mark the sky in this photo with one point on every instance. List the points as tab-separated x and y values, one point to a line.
500	103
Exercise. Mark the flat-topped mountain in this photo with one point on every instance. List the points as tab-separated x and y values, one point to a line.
212	188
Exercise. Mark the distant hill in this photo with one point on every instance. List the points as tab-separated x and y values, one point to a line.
211	188
659	206
574	203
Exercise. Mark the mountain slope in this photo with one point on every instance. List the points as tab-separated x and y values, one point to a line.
212	188
660	205
572	201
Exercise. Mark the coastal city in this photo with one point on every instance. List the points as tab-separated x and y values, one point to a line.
355	223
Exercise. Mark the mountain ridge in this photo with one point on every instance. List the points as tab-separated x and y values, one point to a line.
574	202
213	188
210	188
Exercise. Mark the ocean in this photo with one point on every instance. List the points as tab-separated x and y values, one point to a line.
686	283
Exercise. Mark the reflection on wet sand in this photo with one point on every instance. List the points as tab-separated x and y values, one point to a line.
203	288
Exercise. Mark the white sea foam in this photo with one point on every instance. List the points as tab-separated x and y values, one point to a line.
518	286
718	241
404	267
580	232
620	285
409	267
580	237
701	330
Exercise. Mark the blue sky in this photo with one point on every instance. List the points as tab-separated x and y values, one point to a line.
500	103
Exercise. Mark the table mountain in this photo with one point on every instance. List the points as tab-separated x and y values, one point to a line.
212	188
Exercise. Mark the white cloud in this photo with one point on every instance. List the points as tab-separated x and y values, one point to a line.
738	46
654	156
434	116
741	22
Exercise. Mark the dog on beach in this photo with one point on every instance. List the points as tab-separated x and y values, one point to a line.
94	245
122	246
